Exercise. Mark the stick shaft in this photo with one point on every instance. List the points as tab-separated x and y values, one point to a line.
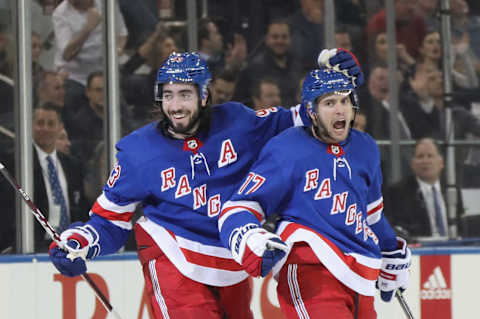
53	234
403	304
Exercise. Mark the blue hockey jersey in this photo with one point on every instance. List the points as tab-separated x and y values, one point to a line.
328	196
182	184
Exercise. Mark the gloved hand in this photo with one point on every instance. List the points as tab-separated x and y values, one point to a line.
79	243
343	61
256	249
395	270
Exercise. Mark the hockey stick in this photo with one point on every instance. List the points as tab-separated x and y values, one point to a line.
54	235
403	304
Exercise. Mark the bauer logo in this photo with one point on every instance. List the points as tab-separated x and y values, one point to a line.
435	287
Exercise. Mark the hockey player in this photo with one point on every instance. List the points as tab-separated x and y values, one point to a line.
180	169
325	183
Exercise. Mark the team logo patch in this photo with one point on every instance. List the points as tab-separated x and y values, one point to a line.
335	150
192	144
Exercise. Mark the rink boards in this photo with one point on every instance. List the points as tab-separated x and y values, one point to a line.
444	285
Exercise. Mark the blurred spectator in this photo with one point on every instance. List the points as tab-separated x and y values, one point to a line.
378	52
417	202
428	11
431	55
87	125
6	52
211	48
46	126
410	28
63	143
140	17
50	88
351	12
378	109
275	61
307	32
265	94
464	121
376	106
342	38
96	173
139	73
466	46
79	39
360	121
42	24
223	87
37	68
6	116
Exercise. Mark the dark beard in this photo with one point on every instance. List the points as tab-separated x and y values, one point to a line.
321	131
183	129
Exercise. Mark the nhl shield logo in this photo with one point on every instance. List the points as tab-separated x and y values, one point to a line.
336	150
192	144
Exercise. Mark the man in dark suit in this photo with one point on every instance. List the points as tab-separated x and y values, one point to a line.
417	202
58	180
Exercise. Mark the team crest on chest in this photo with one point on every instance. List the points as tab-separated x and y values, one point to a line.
192	144
335	150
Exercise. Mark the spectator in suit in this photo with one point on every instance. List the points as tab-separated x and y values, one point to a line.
417	203
58	180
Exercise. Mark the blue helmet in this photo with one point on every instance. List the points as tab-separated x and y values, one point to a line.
183	68
322	81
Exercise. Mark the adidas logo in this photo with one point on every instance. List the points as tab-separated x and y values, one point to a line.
435	287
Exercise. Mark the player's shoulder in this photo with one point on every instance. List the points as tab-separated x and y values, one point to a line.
232	110
293	138
363	139
141	145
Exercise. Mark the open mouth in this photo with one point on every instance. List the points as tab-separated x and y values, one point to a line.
339	125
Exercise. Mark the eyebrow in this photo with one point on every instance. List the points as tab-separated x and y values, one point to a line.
181	91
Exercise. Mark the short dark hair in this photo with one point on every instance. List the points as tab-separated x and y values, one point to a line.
429	138
203	32
49	106
226	75
93	75
256	89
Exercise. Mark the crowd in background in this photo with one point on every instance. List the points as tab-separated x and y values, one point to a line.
259	53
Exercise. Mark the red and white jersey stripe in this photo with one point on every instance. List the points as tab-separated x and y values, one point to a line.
232	207
374	211
354	270
120	216
211	265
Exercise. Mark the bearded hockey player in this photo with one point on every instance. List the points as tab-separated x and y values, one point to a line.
325	183
180	169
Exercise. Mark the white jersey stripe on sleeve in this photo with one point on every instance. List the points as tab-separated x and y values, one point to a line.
111	206
373	205
232	207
